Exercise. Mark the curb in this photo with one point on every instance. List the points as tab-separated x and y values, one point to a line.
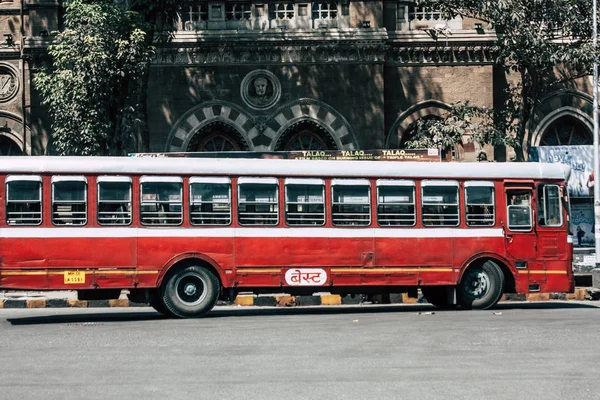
580	294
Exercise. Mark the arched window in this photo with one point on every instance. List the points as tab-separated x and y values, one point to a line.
566	130
217	137
9	147
306	135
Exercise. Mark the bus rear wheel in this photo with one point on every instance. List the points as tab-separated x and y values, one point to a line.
190	292
481	286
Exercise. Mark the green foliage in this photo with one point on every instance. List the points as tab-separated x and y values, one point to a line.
548	43
463	120
97	60
95	90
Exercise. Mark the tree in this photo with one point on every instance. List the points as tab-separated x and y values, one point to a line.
548	43
479	124
96	88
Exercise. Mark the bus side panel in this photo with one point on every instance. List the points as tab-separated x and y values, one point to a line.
154	252
413	261
261	260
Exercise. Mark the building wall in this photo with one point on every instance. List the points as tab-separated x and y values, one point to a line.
359	76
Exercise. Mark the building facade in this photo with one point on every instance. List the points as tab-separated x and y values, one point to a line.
293	75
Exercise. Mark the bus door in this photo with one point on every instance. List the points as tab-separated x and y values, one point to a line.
554	267
519	231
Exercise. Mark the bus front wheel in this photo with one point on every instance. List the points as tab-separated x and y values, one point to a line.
190	292
481	286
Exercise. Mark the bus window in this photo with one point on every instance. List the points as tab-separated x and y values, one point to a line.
114	200
305	201
258	201
395	202
69	200
479	203
549	205
23	200
351	202
519	210
439	203
161	202
210	201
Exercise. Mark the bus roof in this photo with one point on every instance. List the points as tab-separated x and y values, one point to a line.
276	167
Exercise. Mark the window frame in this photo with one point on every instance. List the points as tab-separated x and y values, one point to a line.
259	181
114	179
23	178
160	179
69	178
215	181
508	207
307	182
545	186
396	183
440	183
489	184
351	182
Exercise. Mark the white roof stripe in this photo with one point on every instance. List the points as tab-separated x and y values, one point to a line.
288	168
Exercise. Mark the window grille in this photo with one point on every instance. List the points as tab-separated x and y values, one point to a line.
161	202
114	200
305	202
210	201
419	13
258	201
69	200
189	17
324	10
479	203
281	10
24	200
238	11
351	202
395	203
439	201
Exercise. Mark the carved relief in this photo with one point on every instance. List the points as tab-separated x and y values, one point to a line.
9	83
274	54
260	89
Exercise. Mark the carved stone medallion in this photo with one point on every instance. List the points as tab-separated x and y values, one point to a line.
260	89
9	83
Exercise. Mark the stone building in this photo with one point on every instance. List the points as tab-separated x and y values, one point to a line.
285	75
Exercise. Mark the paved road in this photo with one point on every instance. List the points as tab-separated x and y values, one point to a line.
528	351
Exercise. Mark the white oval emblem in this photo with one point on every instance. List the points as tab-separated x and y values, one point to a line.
306	277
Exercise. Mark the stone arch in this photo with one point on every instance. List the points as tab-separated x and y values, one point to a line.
563	103
205	116
11	130
267	134
411	115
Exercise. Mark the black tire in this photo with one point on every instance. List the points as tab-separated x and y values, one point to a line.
157	303
437	296
481	286
190	292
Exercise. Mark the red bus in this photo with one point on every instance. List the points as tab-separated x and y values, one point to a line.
181	233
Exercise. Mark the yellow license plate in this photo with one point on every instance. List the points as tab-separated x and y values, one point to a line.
74	277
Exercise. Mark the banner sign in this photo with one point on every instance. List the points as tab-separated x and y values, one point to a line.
363	155
579	158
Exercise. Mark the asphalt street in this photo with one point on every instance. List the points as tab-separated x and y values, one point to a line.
517	351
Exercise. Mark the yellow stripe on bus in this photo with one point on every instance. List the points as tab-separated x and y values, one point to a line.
543	272
87	272
416	269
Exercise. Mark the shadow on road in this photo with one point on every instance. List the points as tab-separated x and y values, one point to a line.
147	314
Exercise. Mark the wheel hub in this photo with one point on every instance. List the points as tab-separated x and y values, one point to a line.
478	283
190	289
